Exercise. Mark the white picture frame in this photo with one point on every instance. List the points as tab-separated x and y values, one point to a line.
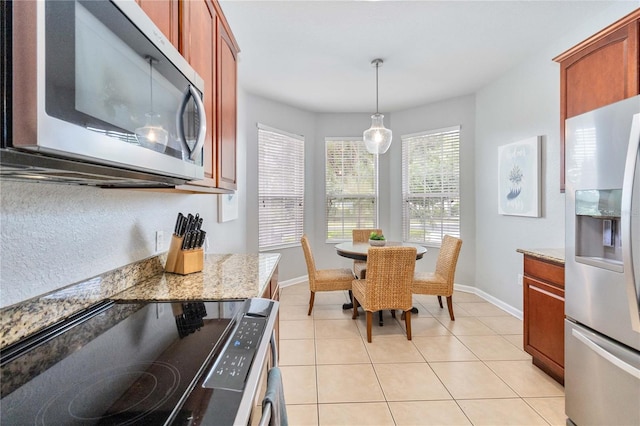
227	207
519	178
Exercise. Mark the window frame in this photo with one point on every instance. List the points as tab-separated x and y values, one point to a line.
285	191
363	196
443	194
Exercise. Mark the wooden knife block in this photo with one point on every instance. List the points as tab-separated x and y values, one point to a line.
183	262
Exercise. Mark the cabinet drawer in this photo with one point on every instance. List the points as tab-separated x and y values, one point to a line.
544	271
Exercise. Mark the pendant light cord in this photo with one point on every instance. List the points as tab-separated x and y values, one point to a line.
377	65
150	84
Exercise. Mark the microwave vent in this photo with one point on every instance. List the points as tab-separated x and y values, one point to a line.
22	166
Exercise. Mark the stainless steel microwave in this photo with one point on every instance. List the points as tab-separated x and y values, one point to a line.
94	92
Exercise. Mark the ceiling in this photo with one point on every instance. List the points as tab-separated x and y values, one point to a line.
316	55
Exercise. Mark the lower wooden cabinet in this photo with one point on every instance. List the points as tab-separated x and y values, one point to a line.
543	306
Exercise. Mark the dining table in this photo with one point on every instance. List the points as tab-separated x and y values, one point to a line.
359	251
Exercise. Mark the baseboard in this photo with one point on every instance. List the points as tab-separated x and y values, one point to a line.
293	281
459	287
489	298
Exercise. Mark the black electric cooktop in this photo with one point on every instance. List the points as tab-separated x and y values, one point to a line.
115	364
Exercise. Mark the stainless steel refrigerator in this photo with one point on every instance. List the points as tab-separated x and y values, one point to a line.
602	266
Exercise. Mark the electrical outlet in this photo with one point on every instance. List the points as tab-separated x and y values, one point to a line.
159	241
520	279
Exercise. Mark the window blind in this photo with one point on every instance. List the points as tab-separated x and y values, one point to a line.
351	186
280	188
431	185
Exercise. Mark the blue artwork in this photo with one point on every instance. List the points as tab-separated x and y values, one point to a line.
519	178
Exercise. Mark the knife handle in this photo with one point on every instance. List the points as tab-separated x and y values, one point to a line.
178	221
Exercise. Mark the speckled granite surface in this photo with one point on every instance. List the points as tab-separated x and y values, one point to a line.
27	317
225	276
551	254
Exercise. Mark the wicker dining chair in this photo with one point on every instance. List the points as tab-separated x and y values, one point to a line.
387	284
324	279
361	235
440	282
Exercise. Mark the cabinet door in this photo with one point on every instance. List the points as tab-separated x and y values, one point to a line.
163	13
544	324
199	49
599	71
226	143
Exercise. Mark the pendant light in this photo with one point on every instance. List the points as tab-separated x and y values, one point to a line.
377	138
152	135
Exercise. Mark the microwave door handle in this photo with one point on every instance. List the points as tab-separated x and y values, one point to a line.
202	118
630	271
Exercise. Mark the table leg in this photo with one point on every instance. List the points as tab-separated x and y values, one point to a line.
349	305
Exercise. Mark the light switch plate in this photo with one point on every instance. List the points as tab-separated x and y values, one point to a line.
159	241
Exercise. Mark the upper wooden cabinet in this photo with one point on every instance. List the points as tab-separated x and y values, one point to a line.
599	71
227	107
200	31
164	13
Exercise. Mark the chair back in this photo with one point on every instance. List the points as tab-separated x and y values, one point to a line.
362	235
308	257
448	258
390	277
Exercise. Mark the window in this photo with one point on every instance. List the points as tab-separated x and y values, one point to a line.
351	187
280	188
431	185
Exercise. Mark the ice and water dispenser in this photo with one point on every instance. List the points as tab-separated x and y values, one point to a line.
598	241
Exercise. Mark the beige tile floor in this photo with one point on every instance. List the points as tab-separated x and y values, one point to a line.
471	371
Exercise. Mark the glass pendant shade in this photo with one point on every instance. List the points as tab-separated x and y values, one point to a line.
377	138
152	135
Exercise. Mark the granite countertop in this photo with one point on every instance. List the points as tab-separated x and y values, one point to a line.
224	277
551	254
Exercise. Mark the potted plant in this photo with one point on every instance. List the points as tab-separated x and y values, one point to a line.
376	239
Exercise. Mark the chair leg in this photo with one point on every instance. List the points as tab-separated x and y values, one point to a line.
380	320
440	301
369	322
313	295
407	322
450	306
355	307
393	313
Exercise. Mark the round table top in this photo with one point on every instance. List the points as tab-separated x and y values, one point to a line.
359	251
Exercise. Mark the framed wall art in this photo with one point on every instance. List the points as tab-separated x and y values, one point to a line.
519	178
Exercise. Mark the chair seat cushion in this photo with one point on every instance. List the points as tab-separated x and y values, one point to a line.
332	279
431	283
358	288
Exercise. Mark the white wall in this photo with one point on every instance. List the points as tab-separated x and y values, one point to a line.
524	102
253	110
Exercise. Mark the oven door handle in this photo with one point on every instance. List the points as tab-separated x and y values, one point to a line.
267	407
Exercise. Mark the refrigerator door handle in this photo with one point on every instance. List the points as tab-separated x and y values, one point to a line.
627	195
629	369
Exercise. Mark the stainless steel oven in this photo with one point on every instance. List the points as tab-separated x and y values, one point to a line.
96	82
196	363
